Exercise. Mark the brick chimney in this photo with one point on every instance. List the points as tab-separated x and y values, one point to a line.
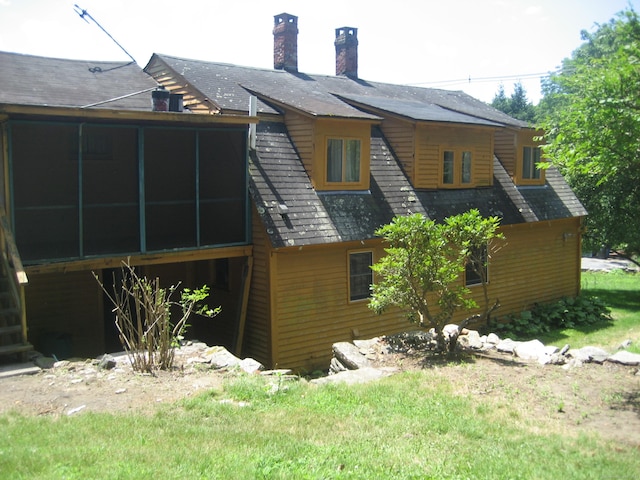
347	52
285	42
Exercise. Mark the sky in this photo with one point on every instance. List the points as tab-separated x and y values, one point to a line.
469	45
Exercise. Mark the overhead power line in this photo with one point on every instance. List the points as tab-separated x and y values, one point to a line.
471	79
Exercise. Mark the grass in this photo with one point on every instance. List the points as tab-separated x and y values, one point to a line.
407	426
410	425
621	292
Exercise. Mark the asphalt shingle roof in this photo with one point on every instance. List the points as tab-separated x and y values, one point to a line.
32	80
278	177
229	86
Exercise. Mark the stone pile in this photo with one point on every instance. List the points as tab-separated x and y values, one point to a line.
360	354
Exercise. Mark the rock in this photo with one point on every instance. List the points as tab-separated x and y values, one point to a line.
44	362
557	359
449	330
349	355
475	341
624	345
493	339
366	344
572	363
362	375
336	367
106	362
250	365
625	358
506	346
471	340
589	354
220	357
76	410
531	350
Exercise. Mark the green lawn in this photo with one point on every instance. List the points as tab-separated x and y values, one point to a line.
621	292
410	425
406	426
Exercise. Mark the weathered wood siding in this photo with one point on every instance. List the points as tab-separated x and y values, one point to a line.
505	149
301	129
402	138
312	309
68	304
538	262
257	334
431	140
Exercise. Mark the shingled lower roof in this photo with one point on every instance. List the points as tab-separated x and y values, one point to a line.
32	80
278	178
510	203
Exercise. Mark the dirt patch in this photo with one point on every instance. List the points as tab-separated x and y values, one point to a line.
602	398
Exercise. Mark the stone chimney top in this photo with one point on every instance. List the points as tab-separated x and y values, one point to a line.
285	42
347	52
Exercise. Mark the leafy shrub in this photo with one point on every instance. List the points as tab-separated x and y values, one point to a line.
569	312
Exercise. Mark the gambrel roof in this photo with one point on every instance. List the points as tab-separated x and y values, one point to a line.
55	82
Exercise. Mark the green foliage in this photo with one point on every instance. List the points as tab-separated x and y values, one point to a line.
516	106
424	260
591	113
143	317
569	312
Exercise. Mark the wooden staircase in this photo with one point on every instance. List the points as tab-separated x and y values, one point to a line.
13	319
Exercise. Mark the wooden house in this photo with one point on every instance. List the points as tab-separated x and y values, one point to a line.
96	172
276	210
335	157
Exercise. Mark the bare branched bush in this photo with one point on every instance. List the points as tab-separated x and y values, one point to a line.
143	318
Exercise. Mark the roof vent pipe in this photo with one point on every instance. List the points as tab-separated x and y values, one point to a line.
253	111
160	100
176	103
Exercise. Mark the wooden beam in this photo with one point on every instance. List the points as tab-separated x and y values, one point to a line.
245	286
135	260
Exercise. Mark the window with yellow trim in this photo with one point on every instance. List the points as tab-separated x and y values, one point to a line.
530	159
360	275
457	168
343	160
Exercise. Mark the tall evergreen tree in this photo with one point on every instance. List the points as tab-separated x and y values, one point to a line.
517	105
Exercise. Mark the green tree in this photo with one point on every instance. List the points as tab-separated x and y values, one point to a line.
517	105
422	270
591	113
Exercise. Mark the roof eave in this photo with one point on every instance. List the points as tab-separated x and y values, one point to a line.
16	110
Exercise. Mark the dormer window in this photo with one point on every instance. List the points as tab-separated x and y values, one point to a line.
457	168
343	160
530	160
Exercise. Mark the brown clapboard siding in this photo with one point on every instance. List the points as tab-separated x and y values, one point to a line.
301	129
432	139
313	309
505	149
257	329
401	137
538	263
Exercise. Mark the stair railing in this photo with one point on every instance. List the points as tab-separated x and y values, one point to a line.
16	276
